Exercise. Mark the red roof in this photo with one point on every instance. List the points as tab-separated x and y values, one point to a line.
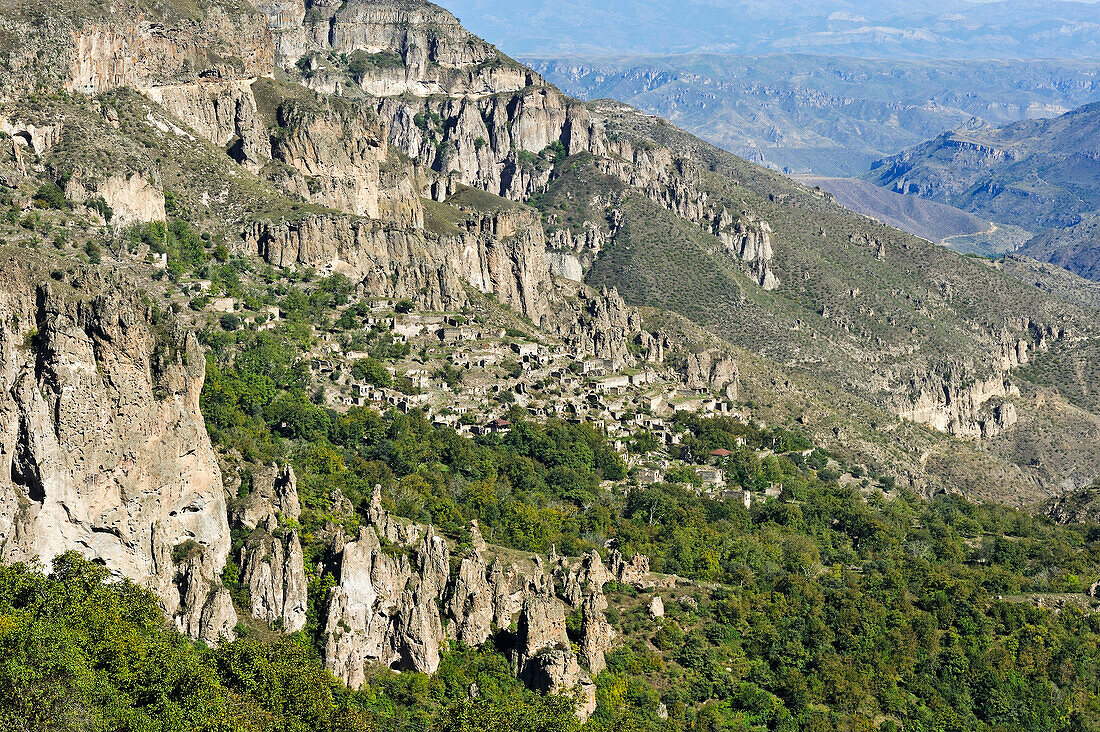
500	422
721	452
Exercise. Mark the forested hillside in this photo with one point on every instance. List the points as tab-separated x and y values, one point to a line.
843	604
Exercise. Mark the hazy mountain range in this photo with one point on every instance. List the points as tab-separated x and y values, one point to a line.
830	116
1036	174
936	29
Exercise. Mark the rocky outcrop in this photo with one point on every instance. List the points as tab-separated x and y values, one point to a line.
99	48
566	265
955	398
341	156
142	53
386	605
712	369
132	199
223	112
395	262
601	324
949	406
272	565
413	48
633	572
543	657
452	103
573	252
206	609
472	599
102	446
272	569
493	144
596	633
397	602
751	241
361	608
37	138
272	495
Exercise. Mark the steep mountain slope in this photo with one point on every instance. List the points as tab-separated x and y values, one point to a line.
941	29
1035	173
797	259
831	116
1053	279
355	162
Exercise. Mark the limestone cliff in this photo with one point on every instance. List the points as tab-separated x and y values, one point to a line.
492	254
99	48
272	565
434	109
102	446
601	324
957	397
398	602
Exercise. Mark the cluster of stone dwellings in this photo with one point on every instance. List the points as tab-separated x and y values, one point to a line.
544	381
499	372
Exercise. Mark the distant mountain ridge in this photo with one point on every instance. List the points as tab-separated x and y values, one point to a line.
1036	174
1033	173
940	29
830	116
1076	248
926	219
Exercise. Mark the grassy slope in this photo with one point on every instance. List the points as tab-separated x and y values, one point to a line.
923	308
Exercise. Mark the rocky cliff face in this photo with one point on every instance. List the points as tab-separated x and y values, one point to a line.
102	447
751	241
414	47
712	369
433	109
342	156
963	408
272	565
602	325
398	602
132	199
493	256
957	398
94	51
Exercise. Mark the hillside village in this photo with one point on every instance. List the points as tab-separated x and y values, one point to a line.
468	373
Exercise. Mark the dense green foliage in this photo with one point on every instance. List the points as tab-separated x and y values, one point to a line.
527	487
843	603
78	653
